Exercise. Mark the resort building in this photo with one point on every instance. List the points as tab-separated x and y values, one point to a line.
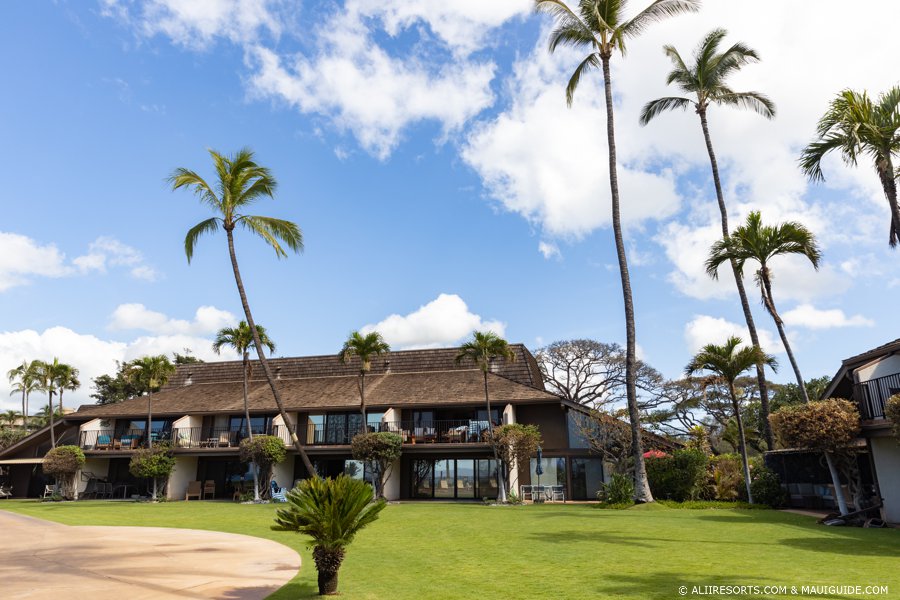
435	404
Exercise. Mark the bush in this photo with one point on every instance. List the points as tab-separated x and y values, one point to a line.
710	505
62	463
727	477
892	412
10	435
264	451
679	476
512	498
379	451
825	425
155	463
618	490
766	487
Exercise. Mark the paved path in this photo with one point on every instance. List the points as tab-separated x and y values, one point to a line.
41	559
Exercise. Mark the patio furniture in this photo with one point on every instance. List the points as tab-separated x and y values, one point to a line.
104	442
104	489
527	492
184	439
127	442
5	492
193	491
457	434
48	491
90	490
225	439
557	493
209	487
278	494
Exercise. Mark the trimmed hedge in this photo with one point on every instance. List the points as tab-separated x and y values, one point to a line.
678	476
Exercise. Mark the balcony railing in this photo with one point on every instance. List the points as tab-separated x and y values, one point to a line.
179	438
109	439
209	437
452	431
872	395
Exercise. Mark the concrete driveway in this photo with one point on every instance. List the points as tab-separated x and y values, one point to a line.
41	559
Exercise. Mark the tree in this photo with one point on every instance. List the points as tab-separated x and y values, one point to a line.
727	362
705	82
854	125
66	377
331	512
240	338
760	243
483	349
263	452
824	425
605	436
186	359
45	380
600	27
892	412
10	417
366	347
23	380
516	444
150	373
379	451
110	389
241	182
62	463
155	463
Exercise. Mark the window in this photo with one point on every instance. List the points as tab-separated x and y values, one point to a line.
449	478
587	476
554	471
577	423
373	420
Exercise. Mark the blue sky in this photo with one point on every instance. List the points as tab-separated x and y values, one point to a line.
439	179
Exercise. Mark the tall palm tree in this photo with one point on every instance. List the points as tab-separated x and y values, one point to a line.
727	362
23	381
366	347
855	125
10	417
600	27
483	349
331	512
150	373
240	183
705	84
66	377
760	243
44	376
240	338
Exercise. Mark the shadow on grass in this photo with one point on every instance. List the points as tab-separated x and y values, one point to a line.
298	587
848	546
567	537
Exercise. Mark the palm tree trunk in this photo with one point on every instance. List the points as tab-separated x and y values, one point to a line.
769	303
328	563
889	184
249	428
362	398
150	419
739	281
24	412
641	485
501	479
262	356
741	440
836	482
52	427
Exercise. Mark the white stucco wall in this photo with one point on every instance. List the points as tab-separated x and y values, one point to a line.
98	467
392	485
886	455
283	472
509	414
185	472
889	365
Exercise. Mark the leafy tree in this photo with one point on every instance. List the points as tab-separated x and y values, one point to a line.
678	476
892	412
150	373
331	512
66	377
727	362
240	338
483	349
760	243
110	389
23	380
155	463
705	82
366	347
606	436
789	394
380	451
240	183
45	380
516	444
10	417
856	125
264	452
10	436
600	28
825	425
62	463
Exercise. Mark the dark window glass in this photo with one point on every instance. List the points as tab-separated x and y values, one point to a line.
587	476
422	478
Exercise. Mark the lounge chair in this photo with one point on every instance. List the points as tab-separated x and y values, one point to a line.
278	494
209	487
104	442
557	493
193	491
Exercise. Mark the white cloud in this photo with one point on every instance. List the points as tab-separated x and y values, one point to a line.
807	315
549	250
704	329
547	163
445	321
207	320
106	251
91	355
22	258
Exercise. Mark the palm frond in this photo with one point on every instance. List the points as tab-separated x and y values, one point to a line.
755	101
654	108
659	10
186	178
590	62
210	225
570	29
274	231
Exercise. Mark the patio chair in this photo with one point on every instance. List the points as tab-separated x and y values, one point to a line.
278	494
104	442
5	492
209	488
104	489
557	493
527	492
193	491
90	490
48	491
225	439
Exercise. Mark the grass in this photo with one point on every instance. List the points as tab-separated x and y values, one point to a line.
456	551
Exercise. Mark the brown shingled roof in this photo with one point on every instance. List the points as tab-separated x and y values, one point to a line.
883	349
459	386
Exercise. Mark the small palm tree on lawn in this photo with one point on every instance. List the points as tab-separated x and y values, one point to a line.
240	338
366	347
240	183
760	243
726	363
600	27
705	84
331	512
483	349
854	125
23	380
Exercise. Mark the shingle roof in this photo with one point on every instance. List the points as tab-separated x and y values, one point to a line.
459	386
883	349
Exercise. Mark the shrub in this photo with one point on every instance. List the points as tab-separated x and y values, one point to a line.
155	463
710	505
10	435
516	443
513	498
618	490
825	425
679	476
62	463
892	412
766	487
379	451
264	451
727	477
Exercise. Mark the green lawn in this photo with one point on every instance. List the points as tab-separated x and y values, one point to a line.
451	551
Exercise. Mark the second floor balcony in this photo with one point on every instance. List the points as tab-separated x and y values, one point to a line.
450	431
872	395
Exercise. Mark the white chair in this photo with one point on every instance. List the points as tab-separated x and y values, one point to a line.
557	493
48	491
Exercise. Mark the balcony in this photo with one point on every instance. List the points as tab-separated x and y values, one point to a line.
872	395
179	438
455	431
109	439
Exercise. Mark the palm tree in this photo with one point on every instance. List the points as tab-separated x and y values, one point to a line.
366	347
45	380
727	362
150	373
704	82
241	339
855	125
600	27
483	349
10	417
241	182
331	512
66	377
761	243
23	381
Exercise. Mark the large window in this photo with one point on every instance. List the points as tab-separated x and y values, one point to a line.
341	427
578	424
587	476
554	471
454	478
259	425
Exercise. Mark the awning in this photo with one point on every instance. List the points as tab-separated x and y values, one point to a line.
22	461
